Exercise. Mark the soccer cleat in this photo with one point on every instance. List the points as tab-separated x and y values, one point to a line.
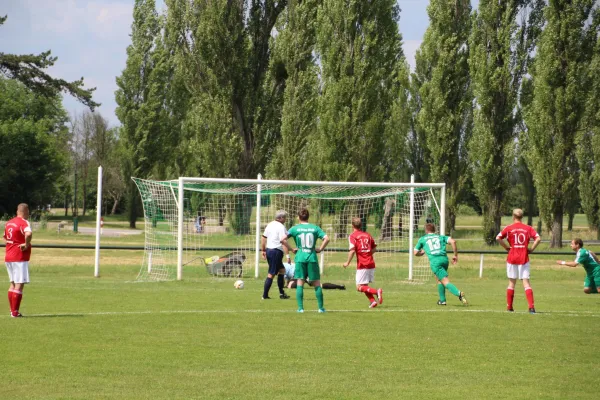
300	310
441	303
380	295
532	310
373	304
16	315
463	298
266	298
321	310
284	296
510	309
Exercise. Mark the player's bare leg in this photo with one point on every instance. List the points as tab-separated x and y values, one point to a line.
529	295
510	294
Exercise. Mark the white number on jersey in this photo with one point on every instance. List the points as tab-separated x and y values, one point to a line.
519	238
9	233
434	244
307	240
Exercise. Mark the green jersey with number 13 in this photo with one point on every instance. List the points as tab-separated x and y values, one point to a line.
305	236
434	245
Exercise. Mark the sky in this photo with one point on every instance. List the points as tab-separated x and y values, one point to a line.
90	39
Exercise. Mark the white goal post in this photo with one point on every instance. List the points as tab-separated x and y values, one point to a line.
193	217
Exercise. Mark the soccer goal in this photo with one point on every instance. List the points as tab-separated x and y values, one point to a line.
213	226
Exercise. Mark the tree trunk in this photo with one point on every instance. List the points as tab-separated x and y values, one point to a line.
84	199
66	204
132	209
114	207
539	227
571	218
387	230
557	224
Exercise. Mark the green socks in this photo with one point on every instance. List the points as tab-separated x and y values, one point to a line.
453	289
300	297
319	293
442	292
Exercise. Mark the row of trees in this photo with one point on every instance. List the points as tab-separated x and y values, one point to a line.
320	89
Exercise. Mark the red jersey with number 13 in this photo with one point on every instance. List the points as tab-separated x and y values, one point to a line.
518	235
14	234
363	244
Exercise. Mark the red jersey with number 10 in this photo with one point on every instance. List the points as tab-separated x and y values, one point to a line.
363	244
518	235
14	234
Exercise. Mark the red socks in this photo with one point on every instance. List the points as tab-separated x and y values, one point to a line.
367	289
14	299
510	295
529	295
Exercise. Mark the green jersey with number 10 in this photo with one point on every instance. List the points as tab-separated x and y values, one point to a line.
434	245
305	236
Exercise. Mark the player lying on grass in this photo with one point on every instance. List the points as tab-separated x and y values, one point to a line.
291	282
434	246
363	245
589	261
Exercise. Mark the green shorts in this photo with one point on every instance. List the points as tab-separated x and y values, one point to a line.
307	269
440	269
592	282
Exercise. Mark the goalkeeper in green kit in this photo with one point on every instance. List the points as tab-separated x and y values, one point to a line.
434	246
305	235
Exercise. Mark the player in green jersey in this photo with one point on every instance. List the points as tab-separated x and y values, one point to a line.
434	246
590	263
305	235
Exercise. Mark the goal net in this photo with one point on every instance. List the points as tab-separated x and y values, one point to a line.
213	226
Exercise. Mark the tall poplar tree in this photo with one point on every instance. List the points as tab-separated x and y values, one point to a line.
293	66
502	39
361	55
136	100
555	116
446	114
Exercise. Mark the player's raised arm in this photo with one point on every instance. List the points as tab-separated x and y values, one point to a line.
452	243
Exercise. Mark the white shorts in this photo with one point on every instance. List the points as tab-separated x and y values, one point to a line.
365	276
514	271
18	272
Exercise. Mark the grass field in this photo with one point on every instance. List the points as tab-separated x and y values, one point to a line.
86	338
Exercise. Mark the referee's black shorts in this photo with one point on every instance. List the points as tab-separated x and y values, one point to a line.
275	260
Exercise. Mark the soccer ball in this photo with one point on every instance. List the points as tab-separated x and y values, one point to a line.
239	284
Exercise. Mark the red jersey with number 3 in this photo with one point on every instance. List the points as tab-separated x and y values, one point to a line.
14	234
363	244
518	235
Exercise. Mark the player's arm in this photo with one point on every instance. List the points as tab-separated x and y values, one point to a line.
418	251
286	251
287	246
501	242
571	264
263	245
350	256
452	243
536	242
323	244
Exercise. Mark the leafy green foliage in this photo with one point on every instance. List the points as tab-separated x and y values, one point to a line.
555	116
34	139
446	111
500	53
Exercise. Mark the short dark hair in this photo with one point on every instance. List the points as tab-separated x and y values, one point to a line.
303	214
430	228
578	242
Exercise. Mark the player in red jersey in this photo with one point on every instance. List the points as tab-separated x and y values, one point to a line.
517	263
17	234
363	245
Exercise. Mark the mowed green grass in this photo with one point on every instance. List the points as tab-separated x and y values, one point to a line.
109	337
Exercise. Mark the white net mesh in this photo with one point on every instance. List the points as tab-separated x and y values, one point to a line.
219	228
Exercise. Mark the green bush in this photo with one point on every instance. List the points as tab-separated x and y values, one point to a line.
466	210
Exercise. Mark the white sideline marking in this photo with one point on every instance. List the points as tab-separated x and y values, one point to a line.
379	310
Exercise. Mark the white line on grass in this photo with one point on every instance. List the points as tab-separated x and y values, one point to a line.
117	313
